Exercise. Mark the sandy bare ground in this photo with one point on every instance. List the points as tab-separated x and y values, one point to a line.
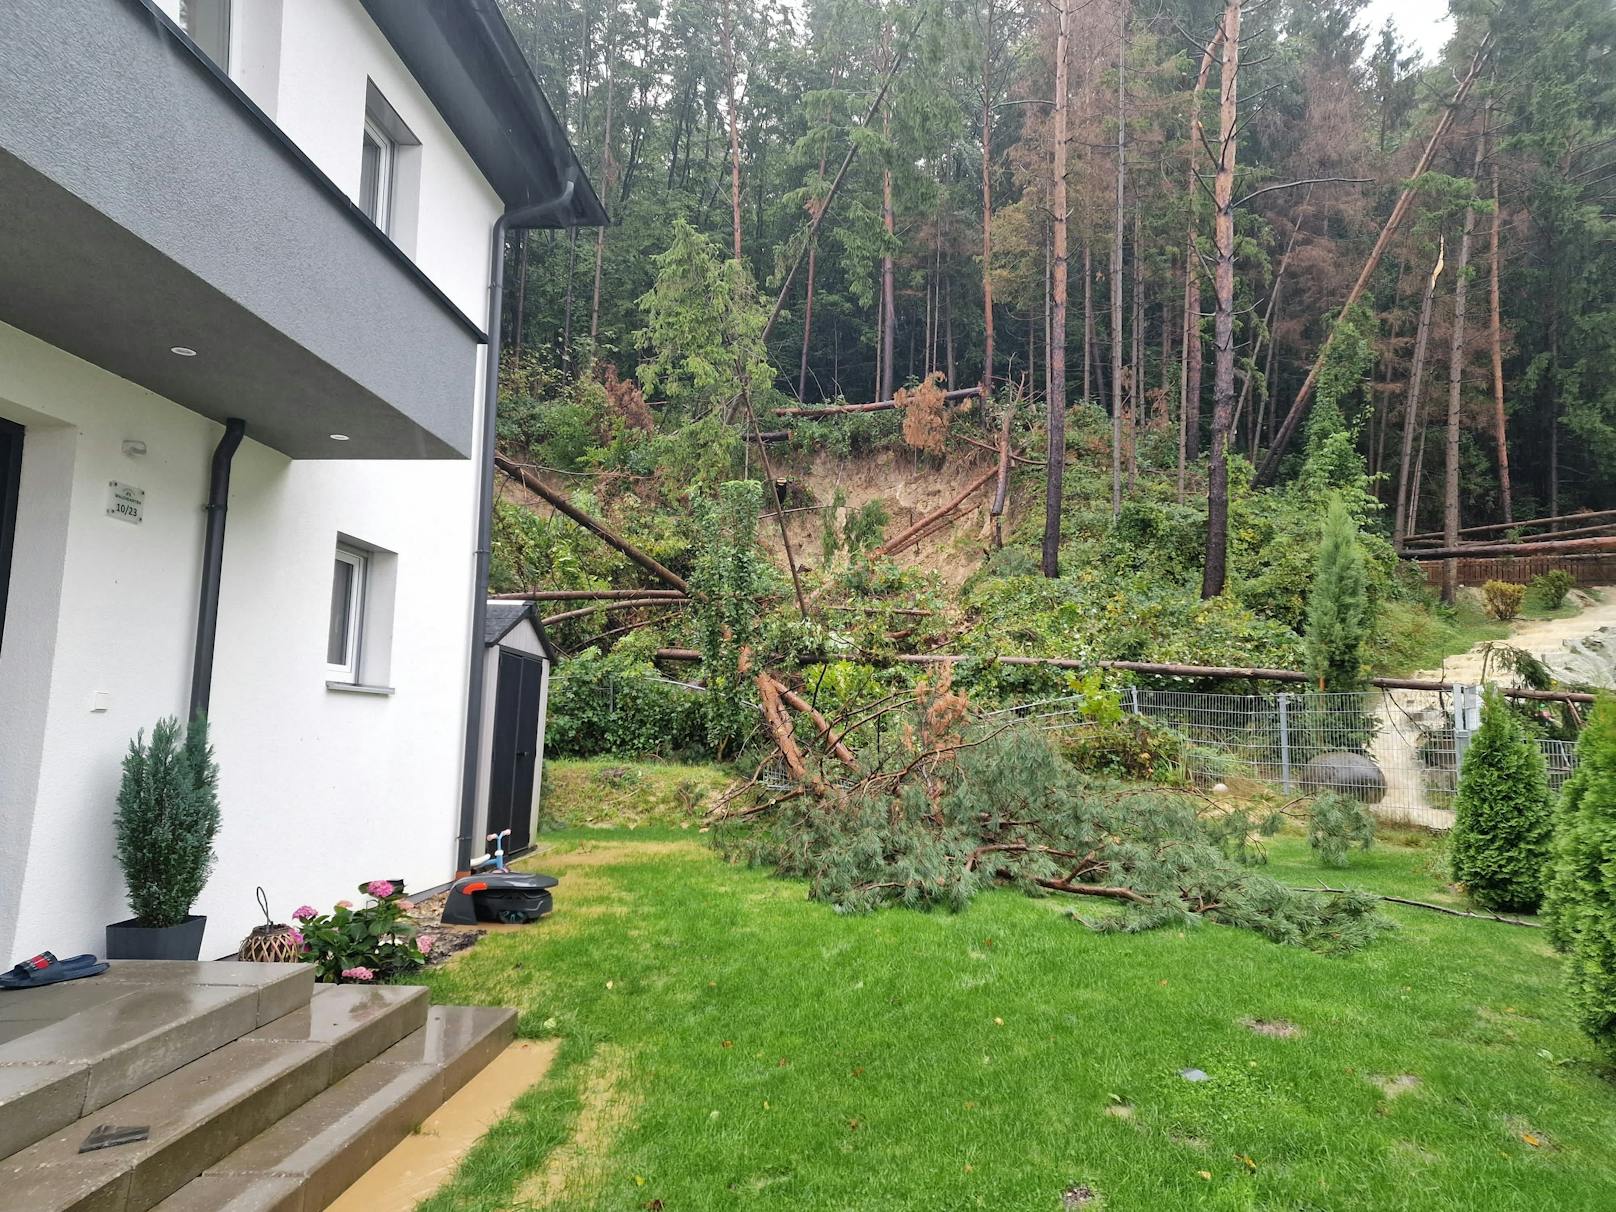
1560	643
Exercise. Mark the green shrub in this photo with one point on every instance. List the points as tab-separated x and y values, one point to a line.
1502	820
374	942
1551	587
168	815
1581	904
1338	617
1503	599
617	704
1336	825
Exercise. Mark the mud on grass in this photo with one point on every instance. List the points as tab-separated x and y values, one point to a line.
758	1049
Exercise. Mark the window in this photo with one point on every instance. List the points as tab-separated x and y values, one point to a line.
389	170
359	631
377	155
208	23
344	641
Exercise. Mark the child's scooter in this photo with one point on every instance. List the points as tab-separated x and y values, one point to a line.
496	860
495	893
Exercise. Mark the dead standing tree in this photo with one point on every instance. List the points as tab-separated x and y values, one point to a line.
1053	486
1293	419
1217	485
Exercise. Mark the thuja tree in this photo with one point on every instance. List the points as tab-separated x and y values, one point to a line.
1502	826
726	582
1581	902
962	805
168	814
1338	617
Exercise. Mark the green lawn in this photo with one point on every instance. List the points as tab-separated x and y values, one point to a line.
728	1044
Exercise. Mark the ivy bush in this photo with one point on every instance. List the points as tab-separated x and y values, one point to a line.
1499	845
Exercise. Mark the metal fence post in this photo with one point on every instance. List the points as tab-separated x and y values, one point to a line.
1466	719
1285	741
1133	700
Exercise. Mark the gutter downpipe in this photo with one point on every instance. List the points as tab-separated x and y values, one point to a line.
207	608
516	218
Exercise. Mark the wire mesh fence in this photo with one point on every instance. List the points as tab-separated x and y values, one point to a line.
1399	751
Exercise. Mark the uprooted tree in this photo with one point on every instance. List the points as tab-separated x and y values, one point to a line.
961	804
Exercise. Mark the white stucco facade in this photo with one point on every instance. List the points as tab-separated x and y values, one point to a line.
320	788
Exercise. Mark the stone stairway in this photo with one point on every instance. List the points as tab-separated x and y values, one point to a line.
261	1092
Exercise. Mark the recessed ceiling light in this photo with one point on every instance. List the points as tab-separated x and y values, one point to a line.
184	351
339	437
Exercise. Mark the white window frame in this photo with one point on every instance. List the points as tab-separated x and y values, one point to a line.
385	168
348	670
187	20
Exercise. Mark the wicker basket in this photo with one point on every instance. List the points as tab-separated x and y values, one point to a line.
271	943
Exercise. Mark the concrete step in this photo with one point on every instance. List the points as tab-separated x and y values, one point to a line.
204	1110
69	1049
309	1158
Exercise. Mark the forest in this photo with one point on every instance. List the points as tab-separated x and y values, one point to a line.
1136	294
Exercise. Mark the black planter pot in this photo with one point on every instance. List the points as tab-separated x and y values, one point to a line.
131	941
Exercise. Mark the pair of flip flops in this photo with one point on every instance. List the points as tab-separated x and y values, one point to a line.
46	969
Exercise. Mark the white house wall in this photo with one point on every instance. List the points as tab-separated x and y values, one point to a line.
319	788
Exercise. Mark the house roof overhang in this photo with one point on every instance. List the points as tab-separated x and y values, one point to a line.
465	57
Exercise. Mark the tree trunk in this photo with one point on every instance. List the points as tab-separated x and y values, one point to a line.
1495	340
1136	385
808	306
1456	360
1116	263
521	294
606	188
566	321
726	35
1189	392
1057	339
888	305
987	202
1403	516
1088	323
1217	491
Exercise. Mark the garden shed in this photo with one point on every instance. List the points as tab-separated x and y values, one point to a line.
517	658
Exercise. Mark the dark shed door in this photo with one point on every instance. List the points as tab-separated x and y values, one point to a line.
516	743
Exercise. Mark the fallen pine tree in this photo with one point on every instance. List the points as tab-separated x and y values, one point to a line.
961	805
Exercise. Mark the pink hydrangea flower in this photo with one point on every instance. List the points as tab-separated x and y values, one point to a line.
344	904
358	974
380	889
297	936
304	912
424	942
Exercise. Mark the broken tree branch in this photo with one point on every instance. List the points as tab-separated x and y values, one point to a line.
543	491
840	410
915	531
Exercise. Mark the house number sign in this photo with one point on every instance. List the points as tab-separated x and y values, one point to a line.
125	502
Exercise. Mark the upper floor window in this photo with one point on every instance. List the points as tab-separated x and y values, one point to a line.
378	157
208	23
389	170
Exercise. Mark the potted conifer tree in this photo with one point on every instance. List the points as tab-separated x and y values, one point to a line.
168	814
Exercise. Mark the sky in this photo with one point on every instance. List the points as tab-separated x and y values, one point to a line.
1422	23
